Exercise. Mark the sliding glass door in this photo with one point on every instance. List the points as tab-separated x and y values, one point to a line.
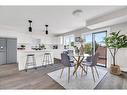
100	47
88	44
94	43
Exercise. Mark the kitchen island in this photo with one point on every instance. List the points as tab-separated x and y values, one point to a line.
22	56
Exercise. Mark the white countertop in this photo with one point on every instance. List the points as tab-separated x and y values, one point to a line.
25	51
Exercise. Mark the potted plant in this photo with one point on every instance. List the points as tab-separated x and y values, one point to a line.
72	44
42	46
114	42
23	46
75	48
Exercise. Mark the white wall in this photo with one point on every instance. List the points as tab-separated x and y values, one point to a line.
26	37
77	32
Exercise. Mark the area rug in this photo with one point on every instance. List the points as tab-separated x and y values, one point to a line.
84	82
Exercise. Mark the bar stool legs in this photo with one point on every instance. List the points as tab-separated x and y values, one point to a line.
47	59
33	63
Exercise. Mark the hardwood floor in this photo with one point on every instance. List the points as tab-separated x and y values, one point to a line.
113	82
11	78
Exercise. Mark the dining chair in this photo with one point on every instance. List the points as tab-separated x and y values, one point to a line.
65	60
71	53
91	62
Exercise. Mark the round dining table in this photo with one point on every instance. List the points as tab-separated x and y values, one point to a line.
79	59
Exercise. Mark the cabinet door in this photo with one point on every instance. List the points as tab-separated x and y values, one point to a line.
11	50
2	44
2	57
2	51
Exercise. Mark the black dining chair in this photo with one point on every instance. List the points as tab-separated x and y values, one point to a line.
65	60
91	62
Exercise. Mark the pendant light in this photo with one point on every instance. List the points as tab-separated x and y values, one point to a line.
30	27
46	31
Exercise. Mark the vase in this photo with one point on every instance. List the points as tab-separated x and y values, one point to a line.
115	69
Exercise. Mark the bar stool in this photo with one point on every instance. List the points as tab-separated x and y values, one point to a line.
47	59
32	63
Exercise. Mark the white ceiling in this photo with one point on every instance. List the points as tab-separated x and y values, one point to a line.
59	18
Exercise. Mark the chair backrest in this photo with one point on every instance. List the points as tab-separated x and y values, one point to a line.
70	52
94	59
89	59
65	52
65	60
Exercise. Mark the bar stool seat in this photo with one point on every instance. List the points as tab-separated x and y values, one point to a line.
30	54
32	63
47	59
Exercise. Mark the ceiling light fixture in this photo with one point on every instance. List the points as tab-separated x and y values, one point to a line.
77	12
46	29
79	17
30	27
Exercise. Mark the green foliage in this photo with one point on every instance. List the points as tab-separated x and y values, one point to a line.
42	46
72	44
23	46
88	48
114	42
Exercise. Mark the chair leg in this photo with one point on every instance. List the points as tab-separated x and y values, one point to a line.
96	71
68	74
76	72
93	73
86	69
61	72
82	72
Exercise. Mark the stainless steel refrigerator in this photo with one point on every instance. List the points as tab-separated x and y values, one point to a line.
8	50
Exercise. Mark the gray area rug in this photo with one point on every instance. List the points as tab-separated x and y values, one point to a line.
84	82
